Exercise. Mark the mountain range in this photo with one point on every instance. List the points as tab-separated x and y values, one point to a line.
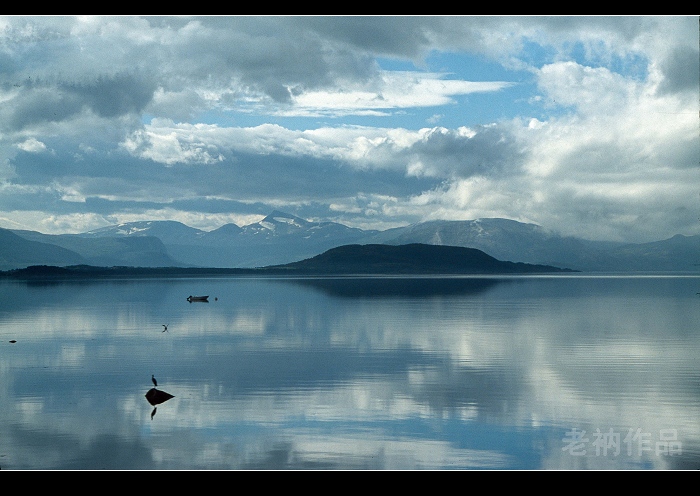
281	238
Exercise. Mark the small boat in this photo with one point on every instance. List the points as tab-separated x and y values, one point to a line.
191	298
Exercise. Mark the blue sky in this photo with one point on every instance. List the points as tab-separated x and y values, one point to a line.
587	126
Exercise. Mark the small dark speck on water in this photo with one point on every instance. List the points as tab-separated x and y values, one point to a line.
12	341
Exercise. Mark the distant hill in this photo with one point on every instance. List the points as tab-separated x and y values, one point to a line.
144	251
413	258
679	253
16	251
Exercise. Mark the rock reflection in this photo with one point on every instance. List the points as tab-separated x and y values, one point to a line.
156	397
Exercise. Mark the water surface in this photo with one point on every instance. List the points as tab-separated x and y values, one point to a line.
525	372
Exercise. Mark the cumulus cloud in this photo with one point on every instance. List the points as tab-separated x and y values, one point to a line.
435	152
170	149
32	145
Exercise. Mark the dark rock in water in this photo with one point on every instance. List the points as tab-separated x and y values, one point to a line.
156	397
12	341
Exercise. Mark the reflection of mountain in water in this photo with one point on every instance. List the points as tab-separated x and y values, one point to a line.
360	287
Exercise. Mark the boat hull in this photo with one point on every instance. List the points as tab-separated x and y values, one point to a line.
197	298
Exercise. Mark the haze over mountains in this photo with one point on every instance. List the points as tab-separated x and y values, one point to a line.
282	238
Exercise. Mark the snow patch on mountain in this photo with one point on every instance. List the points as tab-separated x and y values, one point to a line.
132	231
287	220
480	231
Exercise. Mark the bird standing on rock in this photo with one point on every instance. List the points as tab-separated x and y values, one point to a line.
155	383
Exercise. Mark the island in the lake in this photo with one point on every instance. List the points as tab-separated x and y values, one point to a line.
374	259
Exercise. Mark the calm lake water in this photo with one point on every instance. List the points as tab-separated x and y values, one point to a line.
558	372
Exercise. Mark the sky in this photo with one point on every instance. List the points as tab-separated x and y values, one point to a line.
586	126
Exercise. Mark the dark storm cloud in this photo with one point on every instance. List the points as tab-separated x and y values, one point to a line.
38	106
112	96
271	55
404	36
628	27
106	96
681	70
279	56
491	151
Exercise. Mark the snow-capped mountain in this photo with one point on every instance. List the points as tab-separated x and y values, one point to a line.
278	238
279	225
168	231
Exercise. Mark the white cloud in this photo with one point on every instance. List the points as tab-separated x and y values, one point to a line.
50	223
32	145
170	148
395	90
168	143
588	89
